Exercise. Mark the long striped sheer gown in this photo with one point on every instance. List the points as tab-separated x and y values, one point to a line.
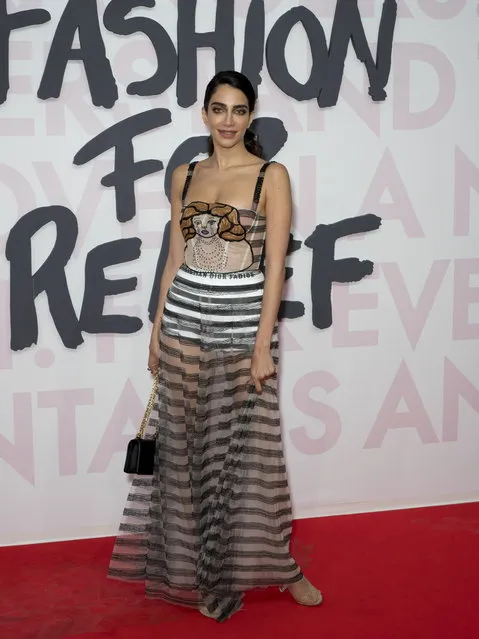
214	520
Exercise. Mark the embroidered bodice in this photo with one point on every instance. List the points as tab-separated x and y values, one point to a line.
219	237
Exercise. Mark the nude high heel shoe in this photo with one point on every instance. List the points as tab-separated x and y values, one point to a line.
310	596
204	611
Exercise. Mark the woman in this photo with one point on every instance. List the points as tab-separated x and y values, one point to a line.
215	518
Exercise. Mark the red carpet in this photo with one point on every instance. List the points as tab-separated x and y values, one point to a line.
409	574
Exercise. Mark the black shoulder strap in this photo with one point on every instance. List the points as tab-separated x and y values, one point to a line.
189	175
259	186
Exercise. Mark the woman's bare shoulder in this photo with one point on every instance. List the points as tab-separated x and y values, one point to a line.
180	172
277	179
278	171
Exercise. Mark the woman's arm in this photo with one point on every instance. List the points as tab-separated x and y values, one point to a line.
174	260
278	211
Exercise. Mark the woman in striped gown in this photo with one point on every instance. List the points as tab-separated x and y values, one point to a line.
214	520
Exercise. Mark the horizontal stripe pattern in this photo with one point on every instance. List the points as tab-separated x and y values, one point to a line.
214	520
214	309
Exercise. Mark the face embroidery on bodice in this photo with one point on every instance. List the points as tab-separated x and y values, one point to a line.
215	238
206	225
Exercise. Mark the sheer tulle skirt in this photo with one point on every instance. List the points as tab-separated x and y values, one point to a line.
214	520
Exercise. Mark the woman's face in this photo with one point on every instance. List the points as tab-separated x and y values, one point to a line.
228	116
205	225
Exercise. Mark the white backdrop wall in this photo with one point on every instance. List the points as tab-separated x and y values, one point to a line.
381	409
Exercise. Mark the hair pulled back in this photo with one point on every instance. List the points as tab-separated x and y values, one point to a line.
237	81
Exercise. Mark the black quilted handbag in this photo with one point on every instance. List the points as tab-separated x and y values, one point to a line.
140	453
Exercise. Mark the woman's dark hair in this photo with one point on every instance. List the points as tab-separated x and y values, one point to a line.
237	81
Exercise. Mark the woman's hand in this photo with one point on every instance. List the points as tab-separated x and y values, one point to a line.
262	367
154	355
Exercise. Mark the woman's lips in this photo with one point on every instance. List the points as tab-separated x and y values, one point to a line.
226	134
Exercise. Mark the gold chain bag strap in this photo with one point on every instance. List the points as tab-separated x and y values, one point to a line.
140	453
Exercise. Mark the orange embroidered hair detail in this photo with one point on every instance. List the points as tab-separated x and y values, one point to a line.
229	227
